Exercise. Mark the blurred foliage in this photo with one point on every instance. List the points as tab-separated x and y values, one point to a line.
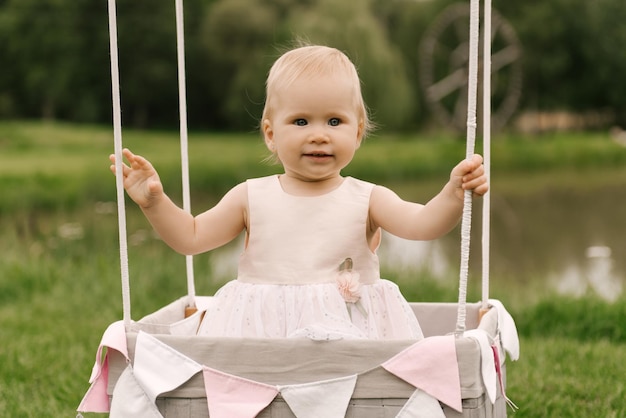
573	55
55	56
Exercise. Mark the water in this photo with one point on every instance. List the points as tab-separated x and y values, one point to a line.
574	240
554	239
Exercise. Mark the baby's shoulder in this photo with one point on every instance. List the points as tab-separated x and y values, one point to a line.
238	194
357	185
382	194
260	182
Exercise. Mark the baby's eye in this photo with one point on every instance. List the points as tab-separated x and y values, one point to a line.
300	122
334	121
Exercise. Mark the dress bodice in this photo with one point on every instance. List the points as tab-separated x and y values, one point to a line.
303	240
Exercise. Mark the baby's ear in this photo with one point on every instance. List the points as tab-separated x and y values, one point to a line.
268	134
360	132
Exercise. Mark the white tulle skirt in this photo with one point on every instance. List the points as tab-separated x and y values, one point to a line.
315	311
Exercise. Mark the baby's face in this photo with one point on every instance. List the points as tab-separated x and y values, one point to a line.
315	127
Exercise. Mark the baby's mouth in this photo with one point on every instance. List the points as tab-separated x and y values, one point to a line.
317	154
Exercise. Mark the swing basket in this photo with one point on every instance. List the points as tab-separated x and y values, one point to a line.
377	392
283	362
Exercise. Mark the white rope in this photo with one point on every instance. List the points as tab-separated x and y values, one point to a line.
466	221
119	175
486	152
184	153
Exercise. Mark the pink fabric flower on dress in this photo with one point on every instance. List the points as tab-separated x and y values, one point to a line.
349	285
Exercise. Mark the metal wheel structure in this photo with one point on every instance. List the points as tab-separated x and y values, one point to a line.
443	58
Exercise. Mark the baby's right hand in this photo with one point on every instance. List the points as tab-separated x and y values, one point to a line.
141	181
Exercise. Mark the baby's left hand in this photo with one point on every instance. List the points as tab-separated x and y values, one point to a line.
469	174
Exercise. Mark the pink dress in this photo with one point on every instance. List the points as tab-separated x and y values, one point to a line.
308	271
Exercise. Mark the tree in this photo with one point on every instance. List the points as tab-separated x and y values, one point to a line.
238	36
573	55
44	55
604	51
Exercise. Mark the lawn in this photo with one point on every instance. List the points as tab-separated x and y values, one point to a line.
59	269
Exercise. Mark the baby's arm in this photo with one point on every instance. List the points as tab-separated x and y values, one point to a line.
439	216
180	230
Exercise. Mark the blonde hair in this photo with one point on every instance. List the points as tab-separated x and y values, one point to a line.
314	60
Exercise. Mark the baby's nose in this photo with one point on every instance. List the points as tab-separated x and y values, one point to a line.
319	136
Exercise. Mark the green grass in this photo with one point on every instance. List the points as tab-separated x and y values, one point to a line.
59	268
562	377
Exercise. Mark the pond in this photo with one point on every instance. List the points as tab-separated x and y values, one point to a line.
574	239
554	238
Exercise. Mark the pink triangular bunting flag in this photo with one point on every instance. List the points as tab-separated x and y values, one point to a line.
327	398
431	365
230	396
96	399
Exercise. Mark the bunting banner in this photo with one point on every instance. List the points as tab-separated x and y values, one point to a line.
487	362
230	396
327	398
499	372
431	365
421	405
130	399
159	368
507	329
96	399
